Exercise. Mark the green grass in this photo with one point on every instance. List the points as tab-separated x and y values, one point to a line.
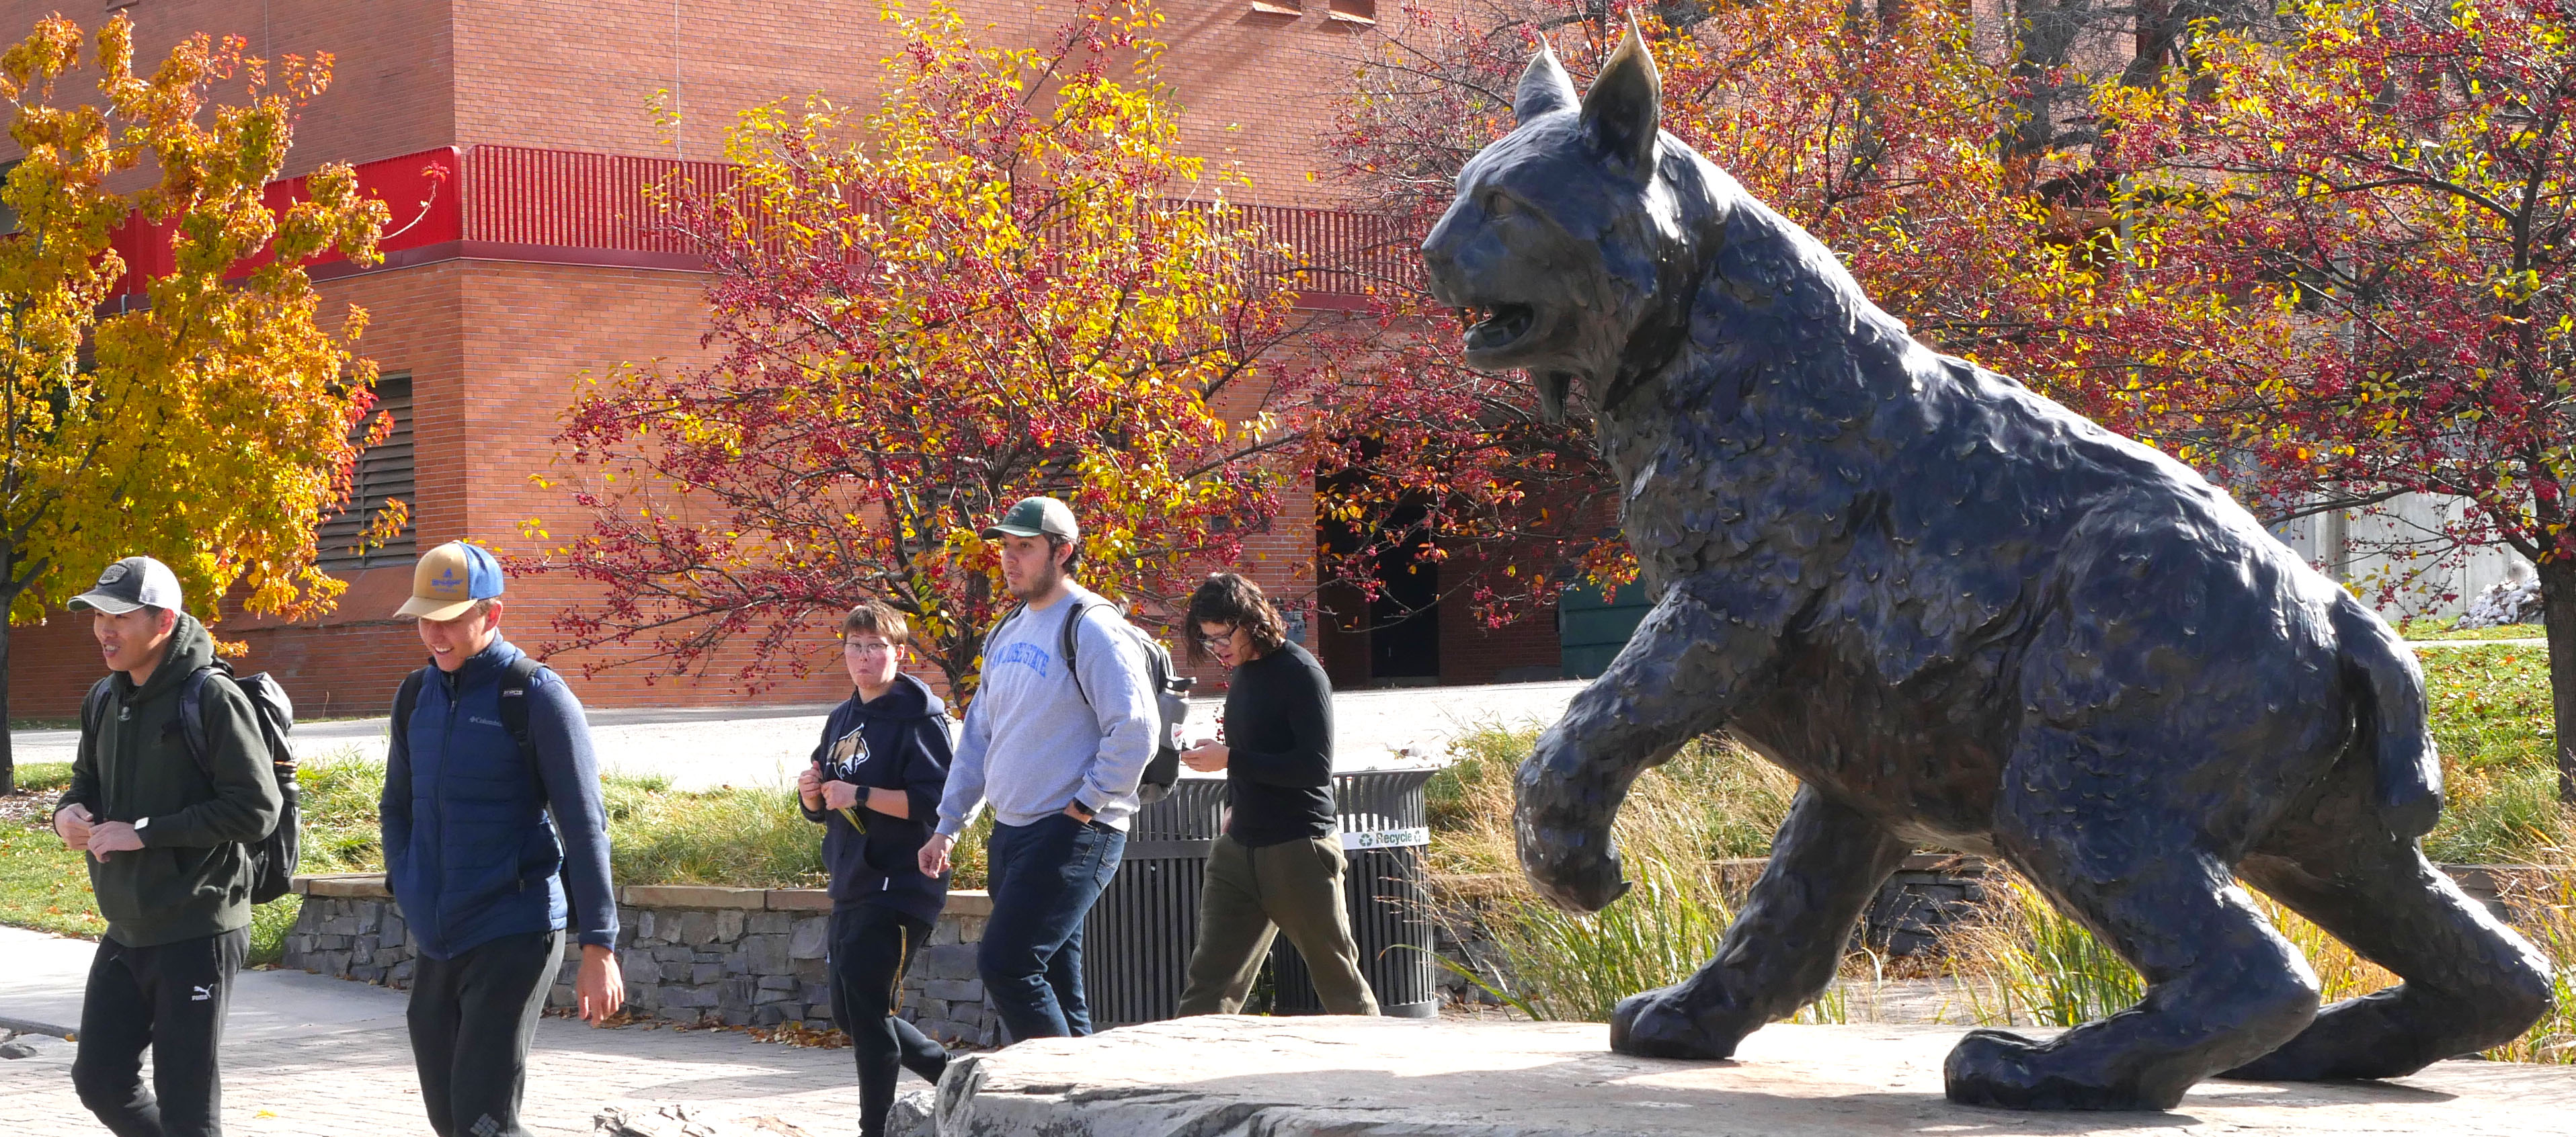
52	776
44	885
2491	718
2432	630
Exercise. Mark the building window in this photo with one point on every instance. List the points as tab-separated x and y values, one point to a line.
384	474
1363	12
8	213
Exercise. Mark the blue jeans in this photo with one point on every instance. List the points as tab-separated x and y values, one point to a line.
1044	878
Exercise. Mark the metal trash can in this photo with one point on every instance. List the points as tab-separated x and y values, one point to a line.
1387	837
1137	941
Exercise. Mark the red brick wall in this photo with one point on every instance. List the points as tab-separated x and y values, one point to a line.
578	76
390	91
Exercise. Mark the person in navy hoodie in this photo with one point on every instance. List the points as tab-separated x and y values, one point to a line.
874	786
496	841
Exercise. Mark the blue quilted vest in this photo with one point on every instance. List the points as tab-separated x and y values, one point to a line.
483	856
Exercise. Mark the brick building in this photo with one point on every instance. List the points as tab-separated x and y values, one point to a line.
526	271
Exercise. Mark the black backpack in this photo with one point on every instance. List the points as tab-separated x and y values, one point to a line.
272	857
1171	693
514	707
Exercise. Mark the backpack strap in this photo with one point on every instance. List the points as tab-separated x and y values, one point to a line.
521	675
94	704
192	716
406	700
1072	625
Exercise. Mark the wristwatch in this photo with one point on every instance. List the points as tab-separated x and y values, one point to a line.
1087	811
140	824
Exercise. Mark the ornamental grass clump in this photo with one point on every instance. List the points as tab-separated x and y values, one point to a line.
1711	802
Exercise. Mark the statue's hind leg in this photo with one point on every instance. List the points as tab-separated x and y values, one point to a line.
2222	986
2471	983
1826	864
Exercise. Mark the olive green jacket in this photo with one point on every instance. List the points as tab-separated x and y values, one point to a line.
192	877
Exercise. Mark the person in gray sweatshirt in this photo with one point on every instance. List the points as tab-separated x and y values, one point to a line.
1057	750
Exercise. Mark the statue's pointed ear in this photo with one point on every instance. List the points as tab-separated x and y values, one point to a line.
1545	88
1621	111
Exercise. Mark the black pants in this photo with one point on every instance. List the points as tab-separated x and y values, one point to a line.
170	997
871	947
472	1018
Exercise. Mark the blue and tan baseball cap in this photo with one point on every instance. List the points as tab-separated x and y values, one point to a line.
449	579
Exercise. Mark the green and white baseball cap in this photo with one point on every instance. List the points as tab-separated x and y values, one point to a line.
1035	517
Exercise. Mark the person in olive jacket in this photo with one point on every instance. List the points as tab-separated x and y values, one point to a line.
874	786
165	835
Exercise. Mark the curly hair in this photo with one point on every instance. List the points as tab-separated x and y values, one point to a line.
1226	598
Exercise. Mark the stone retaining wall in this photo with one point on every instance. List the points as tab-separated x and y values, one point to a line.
739	956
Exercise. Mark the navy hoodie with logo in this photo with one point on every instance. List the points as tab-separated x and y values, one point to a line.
902	744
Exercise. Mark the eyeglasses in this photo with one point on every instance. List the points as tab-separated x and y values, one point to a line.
1215	641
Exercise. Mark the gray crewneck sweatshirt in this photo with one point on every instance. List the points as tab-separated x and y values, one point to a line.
1031	745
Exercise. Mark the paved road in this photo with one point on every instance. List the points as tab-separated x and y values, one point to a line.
757	745
313	1057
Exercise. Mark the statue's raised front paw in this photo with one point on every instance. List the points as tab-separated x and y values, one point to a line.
1574	871
2007	1071
1660	1024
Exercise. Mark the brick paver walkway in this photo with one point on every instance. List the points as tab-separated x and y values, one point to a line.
356	1080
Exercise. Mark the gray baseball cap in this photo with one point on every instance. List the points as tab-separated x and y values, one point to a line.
1036	517
132	583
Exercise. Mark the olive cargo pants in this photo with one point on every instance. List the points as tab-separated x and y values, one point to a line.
1252	895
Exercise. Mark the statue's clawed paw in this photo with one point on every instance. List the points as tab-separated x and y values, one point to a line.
1659	1024
1992	1068
1574	870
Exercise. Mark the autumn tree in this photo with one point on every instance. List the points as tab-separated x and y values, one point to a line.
2399	181
1002	279
215	424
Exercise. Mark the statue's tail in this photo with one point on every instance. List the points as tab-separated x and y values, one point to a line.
2393	727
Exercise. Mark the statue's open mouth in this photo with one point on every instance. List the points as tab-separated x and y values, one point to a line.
1496	327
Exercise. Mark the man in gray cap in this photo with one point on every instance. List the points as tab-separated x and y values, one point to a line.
165	832
1057	746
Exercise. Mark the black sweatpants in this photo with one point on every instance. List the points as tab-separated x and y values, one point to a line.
170	997
871	947
472	1018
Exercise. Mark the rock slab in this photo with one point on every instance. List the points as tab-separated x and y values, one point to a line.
1342	1077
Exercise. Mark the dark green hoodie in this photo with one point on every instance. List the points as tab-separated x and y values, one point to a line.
191	877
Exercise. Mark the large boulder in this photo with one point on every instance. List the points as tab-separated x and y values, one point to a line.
1347	1077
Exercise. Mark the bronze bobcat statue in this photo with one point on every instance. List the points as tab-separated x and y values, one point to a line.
1964	616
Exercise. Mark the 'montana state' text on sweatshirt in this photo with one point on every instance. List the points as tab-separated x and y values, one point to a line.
1031	744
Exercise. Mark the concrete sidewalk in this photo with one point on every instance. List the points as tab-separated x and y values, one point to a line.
315	1057
766	745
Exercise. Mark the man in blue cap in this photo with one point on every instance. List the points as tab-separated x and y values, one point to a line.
495	841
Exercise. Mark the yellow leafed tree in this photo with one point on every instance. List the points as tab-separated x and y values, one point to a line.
215	423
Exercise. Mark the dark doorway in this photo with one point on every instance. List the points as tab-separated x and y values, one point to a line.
1404	620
